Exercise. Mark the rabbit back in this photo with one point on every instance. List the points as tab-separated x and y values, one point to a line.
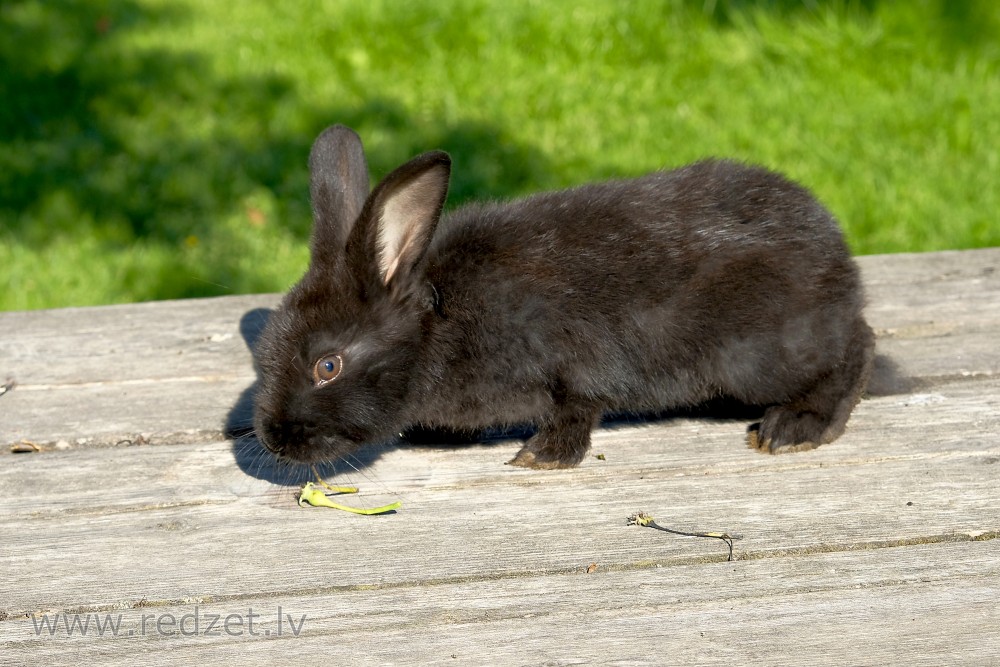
717	279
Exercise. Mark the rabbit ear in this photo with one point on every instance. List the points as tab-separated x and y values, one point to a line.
338	187
403	213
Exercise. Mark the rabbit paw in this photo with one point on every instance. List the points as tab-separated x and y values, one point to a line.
561	442
784	429
540	455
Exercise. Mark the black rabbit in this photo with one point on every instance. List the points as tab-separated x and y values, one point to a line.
713	280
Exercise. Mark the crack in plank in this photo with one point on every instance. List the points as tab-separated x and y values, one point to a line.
635	566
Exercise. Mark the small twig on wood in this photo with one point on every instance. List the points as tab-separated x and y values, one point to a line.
643	519
130	442
7	386
24	447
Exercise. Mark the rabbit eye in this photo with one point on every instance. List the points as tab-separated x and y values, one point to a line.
327	369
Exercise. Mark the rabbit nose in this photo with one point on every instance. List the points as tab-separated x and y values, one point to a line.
276	436
283	438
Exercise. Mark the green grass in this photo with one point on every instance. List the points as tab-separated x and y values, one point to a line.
156	149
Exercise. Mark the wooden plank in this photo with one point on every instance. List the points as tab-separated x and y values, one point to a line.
927	604
171	370
177	370
162	411
920	269
936	315
957	419
142	341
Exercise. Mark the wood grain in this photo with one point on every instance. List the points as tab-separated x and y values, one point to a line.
880	548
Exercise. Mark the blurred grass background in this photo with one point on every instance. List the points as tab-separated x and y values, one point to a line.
155	149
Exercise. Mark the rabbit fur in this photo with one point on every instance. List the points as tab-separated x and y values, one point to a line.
713	280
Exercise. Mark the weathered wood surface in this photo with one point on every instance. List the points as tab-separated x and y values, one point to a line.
878	549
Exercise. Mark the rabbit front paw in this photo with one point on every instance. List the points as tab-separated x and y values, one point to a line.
561	442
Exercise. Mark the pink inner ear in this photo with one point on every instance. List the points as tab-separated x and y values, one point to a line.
408	216
389	272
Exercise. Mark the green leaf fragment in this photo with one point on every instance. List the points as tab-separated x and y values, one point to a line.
314	495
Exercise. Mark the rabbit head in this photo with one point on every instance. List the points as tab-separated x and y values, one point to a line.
335	359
